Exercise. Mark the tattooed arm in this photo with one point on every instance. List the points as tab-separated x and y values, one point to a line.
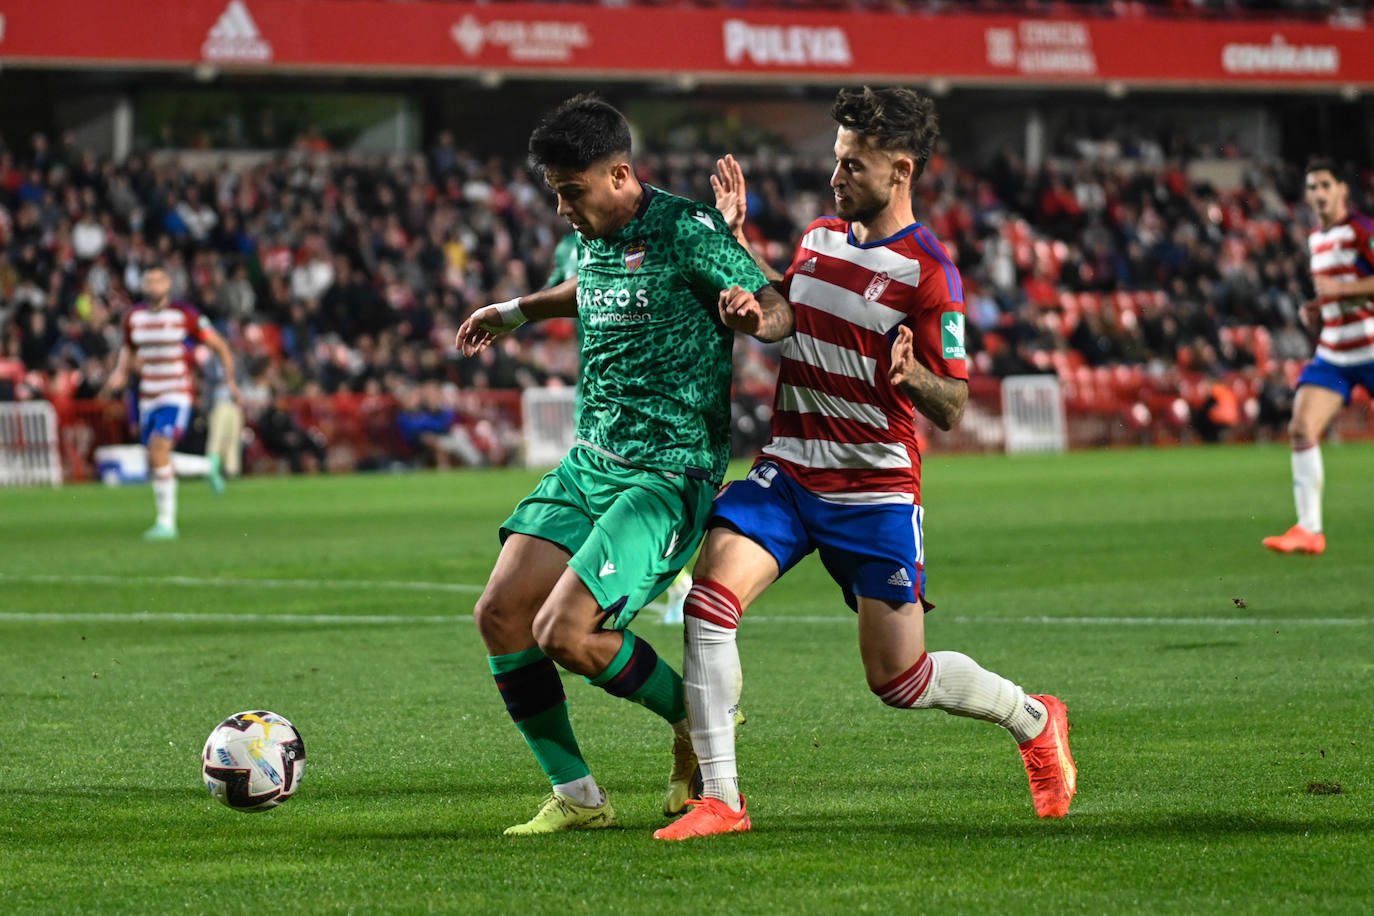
938	397
766	314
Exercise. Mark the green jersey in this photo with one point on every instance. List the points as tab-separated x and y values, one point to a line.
655	386
565	257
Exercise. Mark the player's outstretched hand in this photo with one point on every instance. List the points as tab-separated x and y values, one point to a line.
740	310
477	332
903	356
728	185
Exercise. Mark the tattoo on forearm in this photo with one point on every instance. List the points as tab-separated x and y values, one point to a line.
939	398
778	320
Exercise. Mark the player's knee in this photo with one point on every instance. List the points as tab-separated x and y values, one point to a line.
1300	435
554	637
497	620
486	615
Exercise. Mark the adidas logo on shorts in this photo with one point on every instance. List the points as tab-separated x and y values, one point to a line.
899	578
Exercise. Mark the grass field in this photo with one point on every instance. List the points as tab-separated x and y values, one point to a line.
1219	695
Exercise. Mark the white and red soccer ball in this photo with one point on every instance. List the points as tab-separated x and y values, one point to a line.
253	760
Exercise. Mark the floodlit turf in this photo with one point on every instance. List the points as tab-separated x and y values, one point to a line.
1221	697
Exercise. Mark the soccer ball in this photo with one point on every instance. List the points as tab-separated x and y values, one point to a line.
253	760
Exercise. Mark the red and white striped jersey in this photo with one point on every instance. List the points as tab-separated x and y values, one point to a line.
840	428
1346	250
158	339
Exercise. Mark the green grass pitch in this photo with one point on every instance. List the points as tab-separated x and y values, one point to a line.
1222	699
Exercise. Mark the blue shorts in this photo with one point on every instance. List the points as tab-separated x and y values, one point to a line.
1340	379
876	551
168	421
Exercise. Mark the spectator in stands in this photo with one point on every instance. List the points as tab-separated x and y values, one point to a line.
344	248
234	298
1217	412
283	436
432	430
1275	404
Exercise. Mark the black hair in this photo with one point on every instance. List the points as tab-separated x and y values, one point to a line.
1324	164
895	119
583	130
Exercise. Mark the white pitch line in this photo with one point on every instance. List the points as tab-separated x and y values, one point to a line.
420	586
1105	621
410	619
216	617
195	582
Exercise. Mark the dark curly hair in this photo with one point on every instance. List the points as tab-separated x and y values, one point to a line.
896	119
583	130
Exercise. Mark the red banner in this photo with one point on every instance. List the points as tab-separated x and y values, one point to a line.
447	38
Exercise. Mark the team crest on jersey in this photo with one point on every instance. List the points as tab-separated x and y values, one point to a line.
634	256
877	286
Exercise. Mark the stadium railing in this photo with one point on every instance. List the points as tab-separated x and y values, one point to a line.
28	444
1107	406
360	431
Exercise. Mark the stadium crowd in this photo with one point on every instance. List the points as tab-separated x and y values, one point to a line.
344	272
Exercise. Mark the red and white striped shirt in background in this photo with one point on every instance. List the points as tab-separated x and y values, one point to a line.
1345	251
839	427
158	338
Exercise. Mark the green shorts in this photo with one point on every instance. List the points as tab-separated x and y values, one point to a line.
630	531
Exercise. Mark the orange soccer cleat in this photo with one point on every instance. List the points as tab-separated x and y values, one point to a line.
708	817
1053	776
1296	540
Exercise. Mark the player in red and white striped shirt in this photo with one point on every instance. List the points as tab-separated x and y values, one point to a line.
1342	262
156	337
879	335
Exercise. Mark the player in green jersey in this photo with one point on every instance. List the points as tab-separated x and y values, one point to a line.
660	289
566	255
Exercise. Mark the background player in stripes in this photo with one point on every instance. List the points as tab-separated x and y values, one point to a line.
157	335
624	511
879	334
1341	249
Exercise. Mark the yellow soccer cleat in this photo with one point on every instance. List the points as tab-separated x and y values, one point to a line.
558	812
685	780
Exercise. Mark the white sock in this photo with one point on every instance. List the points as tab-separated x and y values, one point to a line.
1308	479
165	495
584	792
712	681
960	687
190	465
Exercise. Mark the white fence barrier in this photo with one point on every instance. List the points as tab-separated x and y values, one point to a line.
1033	414
550	424
28	445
